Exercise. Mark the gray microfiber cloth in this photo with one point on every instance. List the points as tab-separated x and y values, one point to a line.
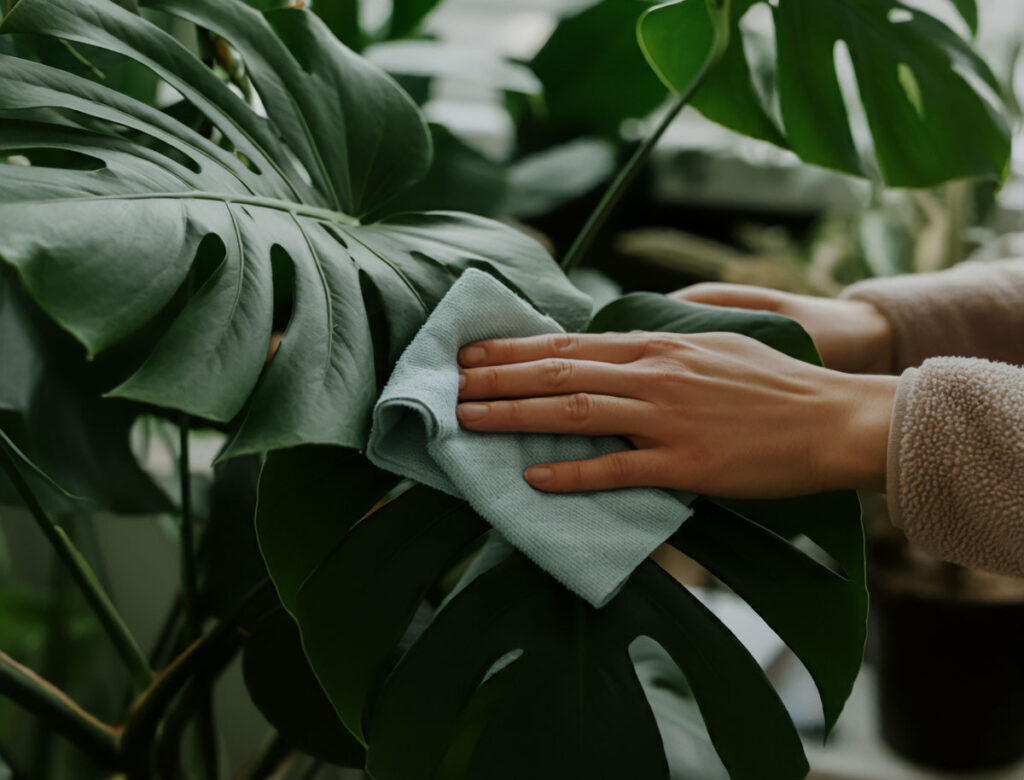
590	542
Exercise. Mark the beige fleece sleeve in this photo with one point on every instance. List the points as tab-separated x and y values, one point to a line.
975	309
956	462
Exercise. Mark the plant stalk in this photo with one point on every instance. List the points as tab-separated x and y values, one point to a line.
193	619
626	176
83	575
205	657
87	732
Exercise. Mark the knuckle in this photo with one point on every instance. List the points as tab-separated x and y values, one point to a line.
487	379
579	407
557	373
619	466
511	411
562	342
658	345
574	474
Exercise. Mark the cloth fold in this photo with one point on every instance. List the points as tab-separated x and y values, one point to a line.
590	542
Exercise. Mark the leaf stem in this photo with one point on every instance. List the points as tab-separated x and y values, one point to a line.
629	172
24	687
83	575
193	619
206	656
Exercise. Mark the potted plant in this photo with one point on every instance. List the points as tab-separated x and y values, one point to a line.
172	245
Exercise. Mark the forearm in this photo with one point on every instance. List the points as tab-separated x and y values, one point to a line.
973	310
956	462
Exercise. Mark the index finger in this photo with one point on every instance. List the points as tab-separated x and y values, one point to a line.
604	347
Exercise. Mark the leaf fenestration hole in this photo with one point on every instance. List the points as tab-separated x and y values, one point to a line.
52	157
757	28
900	16
857	116
282	272
683	733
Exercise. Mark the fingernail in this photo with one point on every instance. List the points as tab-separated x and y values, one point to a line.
470	356
462	381
471	412
537	474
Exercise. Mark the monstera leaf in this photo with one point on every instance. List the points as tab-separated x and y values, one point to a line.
273	211
931	103
512	676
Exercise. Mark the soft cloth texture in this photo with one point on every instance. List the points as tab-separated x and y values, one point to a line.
590	542
956	444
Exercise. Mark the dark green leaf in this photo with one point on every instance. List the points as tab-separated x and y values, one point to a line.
459	178
74	235
309	497
568	711
575	708
922	87
283	688
593	71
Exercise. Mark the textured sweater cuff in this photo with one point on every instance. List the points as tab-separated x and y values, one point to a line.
956	462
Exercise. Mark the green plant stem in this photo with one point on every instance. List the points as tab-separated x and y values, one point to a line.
83	575
92	736
193	619
629	172
54	663
207	656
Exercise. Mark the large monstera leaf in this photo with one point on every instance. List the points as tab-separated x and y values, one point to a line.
272	209
511	675
931	103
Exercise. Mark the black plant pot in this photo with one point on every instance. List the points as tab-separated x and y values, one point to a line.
950	679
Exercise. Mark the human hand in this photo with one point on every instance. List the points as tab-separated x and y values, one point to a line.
713	413
852	336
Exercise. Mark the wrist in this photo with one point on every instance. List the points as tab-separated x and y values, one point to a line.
855	456
878	337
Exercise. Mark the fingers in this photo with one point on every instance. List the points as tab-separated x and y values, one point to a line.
553	376
592	415
739	296
632	468
604	347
